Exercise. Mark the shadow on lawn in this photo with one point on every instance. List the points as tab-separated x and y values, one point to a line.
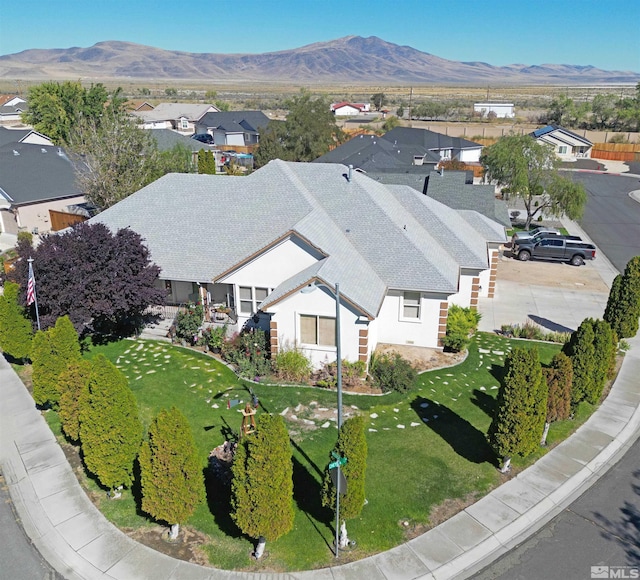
462	436
484	402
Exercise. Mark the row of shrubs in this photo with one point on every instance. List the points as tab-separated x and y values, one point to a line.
531	331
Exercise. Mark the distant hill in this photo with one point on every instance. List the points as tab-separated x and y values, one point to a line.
351	59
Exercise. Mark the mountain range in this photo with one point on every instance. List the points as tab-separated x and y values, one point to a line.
352	59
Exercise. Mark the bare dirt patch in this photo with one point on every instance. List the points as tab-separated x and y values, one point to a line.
555	274
422	358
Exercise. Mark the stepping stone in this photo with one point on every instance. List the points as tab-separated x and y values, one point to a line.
445	383
414	424
498	352
127	351
138	377
449	375
283	413
484	350
372	430
354	407
374	415
308	422
483	388
298	407
327	423
400	426
151	372
493	388
435	416
140	346
167	356
425	419
215	406
424	405
396	410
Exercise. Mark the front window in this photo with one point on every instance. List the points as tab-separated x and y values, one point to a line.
251	298
410	306
562	149
320	330
184	123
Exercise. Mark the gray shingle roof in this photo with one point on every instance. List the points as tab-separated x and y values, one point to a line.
35	173
450	188
198	227
430	140
173	111
249	120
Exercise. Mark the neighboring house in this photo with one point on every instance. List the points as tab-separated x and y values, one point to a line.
403	148
500	110
35	180
181	117
11	109
568	146
23	136
259	244
234	128
453	188
345	109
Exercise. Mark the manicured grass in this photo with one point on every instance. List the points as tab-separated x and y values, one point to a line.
425	446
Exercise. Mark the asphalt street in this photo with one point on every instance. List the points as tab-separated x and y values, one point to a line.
19	560
612	217
601	528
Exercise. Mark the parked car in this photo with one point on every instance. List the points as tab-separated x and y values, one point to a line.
560	248
539	231
528	242
203	138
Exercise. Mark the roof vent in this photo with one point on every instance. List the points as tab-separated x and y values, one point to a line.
43	150
60	152
16	153
350	173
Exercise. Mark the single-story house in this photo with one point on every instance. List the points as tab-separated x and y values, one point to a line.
35	180
180	117
403	149
568	146
233	128
23	136
258	244
500	110
346	109
11	109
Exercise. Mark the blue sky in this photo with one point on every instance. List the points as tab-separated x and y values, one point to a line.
603	33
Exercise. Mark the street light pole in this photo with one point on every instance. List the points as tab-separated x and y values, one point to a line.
339	389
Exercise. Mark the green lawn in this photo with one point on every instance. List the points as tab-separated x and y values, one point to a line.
425	447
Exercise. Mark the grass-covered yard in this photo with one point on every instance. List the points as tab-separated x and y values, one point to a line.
425	447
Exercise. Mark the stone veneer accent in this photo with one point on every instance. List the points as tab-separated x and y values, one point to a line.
363	344
475	291
442	320
273	335
493	273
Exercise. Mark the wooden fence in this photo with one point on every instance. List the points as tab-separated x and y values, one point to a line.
616	151
61	220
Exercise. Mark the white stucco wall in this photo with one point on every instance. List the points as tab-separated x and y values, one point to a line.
37	215
392	328
463	296
470	155
502	110
347	111
320	302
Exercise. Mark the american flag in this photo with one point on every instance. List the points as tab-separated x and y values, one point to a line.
31	287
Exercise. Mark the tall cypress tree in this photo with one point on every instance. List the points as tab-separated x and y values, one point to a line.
558	376
521	411
52	350
623	306
16	333
605	345
110	429
351	444
262	485
582	353
73	383
170	470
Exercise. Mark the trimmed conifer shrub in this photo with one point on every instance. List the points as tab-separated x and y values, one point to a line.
582	353
170	470
73	383
605	346
351	444
16	333
52	350
623	306
110	430
262	485
521	411
558	376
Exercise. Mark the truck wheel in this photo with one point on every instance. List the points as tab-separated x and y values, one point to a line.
524	255
577	261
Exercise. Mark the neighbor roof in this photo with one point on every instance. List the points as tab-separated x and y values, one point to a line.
430	140
549	129
375	237
249	120
167	139
173	111
35	173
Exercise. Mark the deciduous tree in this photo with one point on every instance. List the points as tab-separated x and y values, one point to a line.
16	333
170	470
104	282
262	485
527	169
518	423
309	131
110	430
379	100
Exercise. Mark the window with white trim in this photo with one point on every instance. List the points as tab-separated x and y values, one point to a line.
251	298
184	123
320	330
562	150
410	305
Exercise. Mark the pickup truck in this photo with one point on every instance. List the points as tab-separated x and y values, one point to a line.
563	248
536	233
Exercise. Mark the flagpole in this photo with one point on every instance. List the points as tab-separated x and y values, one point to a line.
32	297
